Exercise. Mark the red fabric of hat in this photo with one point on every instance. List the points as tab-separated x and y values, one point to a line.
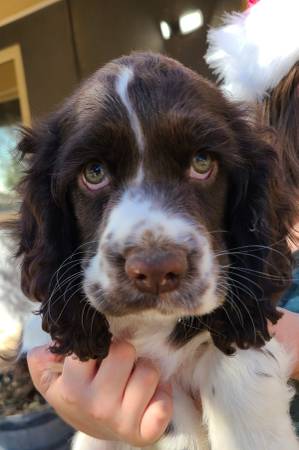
251	3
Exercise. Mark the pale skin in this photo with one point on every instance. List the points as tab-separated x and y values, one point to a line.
122	399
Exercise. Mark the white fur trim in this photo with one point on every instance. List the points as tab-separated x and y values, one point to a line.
254	50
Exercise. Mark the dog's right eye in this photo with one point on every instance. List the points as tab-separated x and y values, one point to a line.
202	166
94	176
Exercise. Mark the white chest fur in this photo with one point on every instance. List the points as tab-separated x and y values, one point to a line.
245	397
150	336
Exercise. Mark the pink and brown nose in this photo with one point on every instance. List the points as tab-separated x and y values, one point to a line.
156	272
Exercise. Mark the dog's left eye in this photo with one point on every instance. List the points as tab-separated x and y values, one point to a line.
94	175
202	166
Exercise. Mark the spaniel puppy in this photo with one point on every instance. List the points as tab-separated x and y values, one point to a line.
153	212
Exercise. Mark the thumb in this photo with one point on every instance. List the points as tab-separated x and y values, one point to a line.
44	367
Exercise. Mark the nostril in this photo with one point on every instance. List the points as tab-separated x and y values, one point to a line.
171	276
156	271
140	276
170	281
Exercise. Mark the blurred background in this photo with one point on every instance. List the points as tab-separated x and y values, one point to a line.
48	46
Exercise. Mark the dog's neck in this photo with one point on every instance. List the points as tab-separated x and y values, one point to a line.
151	333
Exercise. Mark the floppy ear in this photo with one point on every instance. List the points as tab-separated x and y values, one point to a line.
48	238
259	212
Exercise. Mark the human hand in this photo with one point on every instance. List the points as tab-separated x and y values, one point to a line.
286	331
122	399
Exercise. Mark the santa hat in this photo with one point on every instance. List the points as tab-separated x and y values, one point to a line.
252	51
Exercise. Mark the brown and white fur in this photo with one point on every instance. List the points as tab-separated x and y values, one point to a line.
215	244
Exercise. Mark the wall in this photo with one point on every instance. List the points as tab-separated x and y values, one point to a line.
105	30
46	44
71	38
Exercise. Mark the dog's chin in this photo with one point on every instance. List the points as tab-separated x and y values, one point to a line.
172	305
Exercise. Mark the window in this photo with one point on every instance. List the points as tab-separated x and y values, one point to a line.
14	111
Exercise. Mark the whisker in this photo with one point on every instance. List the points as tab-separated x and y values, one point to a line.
261	274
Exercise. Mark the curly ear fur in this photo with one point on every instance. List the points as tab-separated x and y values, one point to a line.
265	216
270	208
259	220
47	237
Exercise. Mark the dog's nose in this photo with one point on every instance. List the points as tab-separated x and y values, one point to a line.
156	272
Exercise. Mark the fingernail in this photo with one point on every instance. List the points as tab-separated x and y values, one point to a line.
45	379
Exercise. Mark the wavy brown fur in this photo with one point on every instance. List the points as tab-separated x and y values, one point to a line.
280	110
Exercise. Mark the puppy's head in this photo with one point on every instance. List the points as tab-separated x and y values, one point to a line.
147	193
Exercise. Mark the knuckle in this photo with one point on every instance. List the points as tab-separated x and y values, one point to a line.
69	395
125	432
102	413
98	415
69	398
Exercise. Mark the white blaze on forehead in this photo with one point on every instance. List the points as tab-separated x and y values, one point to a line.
139	176
124	78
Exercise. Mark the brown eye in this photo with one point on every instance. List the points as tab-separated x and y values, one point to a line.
94	175
202	166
